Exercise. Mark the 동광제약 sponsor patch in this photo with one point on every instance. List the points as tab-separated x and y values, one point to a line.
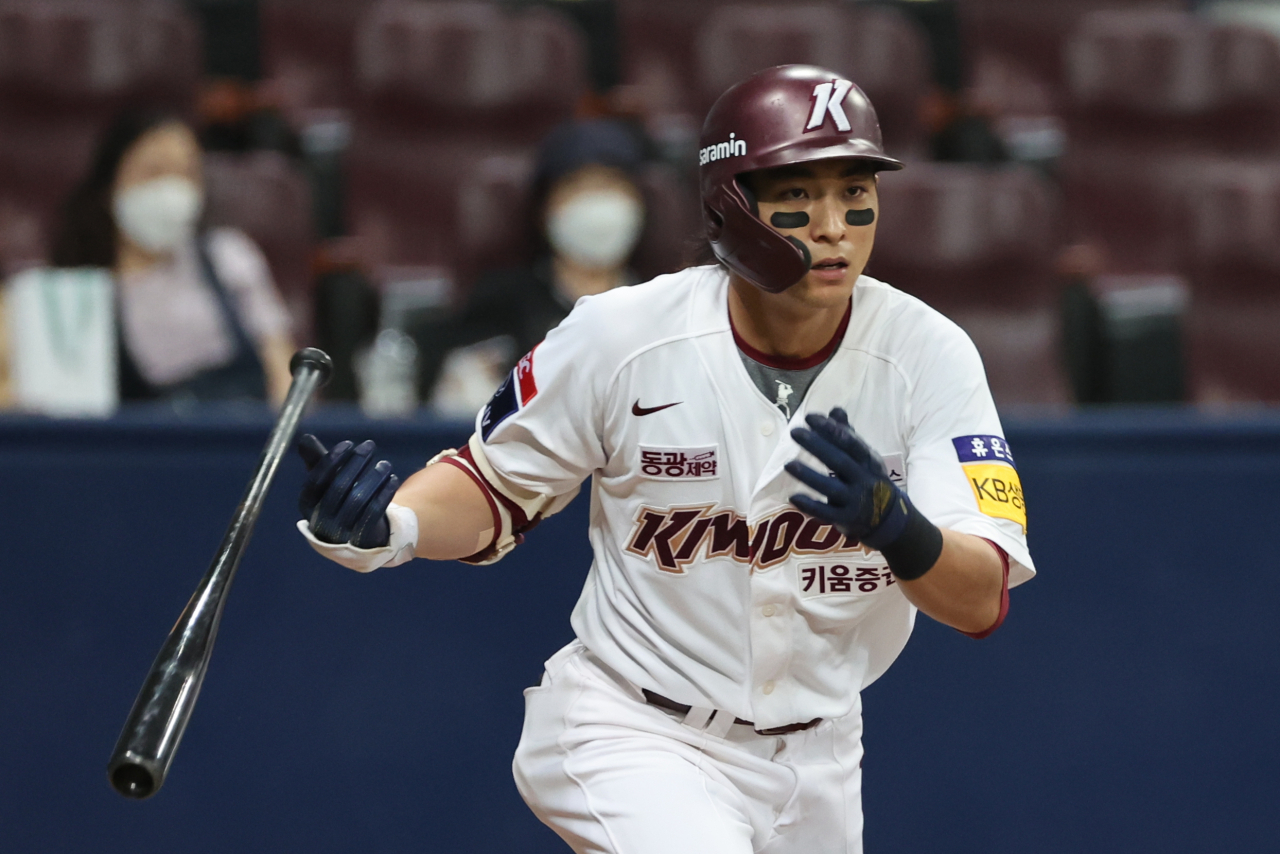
679	463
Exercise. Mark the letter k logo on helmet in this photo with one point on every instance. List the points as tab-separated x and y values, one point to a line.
828	100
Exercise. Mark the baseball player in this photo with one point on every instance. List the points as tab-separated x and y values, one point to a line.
786	458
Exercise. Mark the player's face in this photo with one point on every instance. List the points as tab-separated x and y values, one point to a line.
831	207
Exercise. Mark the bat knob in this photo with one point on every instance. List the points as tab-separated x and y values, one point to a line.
313	358
133	781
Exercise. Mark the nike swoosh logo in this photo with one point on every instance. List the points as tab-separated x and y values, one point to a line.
637	409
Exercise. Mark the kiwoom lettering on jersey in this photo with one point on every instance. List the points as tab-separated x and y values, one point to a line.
733	148
844	576
675	537
679	463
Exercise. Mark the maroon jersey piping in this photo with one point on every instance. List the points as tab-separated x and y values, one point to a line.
791	363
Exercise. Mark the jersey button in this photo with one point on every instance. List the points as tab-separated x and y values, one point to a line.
766	429
768	610
767	687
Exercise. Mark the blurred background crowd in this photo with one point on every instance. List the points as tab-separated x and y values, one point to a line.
191	188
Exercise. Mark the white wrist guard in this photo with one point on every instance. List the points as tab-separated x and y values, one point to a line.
399	549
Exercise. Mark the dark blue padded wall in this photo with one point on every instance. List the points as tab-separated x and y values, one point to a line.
1128	704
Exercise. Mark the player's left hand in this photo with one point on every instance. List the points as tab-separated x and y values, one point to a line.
346	494
861	500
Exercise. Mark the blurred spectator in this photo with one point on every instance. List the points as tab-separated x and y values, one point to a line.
239	111
587	214
198	313
960	130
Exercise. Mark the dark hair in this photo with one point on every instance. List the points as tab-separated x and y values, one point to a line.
572	145
85	235
700	250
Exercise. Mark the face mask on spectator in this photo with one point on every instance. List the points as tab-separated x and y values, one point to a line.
158	215
598	228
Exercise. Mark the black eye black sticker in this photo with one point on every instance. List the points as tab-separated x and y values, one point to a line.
782	219
865	216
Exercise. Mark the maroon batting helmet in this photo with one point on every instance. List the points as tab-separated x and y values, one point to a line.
783	115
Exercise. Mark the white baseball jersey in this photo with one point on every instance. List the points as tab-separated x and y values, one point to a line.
707	586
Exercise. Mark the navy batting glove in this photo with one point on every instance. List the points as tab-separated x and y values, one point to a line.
862	502
346	494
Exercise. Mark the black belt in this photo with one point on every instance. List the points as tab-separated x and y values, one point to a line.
672	706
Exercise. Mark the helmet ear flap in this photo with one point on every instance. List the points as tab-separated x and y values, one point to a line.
715	222
751	248
804	250
748	194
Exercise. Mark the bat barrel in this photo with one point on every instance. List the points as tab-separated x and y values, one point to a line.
160	714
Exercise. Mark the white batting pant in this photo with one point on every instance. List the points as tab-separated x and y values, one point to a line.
614	775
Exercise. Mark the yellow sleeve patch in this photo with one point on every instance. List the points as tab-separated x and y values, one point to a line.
998	490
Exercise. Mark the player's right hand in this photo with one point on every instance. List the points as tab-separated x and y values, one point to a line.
346	494
861	499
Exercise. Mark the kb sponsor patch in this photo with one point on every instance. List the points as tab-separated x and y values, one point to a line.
998	490
988	464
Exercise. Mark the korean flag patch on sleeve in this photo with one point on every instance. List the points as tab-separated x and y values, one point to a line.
515	393
988	465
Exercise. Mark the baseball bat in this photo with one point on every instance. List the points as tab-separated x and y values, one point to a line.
160	714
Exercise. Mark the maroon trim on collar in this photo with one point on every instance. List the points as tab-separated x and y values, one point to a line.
790	363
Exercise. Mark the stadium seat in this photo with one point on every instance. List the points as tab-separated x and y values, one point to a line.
1169	63
42	158
659	42
1231	248
309	46
1032	34
875	46
1214	217
1022	352
1129	201
454	96
95	50
1168	80
1233	351
263	194
405	193
1230	230
962	235
469	66
494	222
